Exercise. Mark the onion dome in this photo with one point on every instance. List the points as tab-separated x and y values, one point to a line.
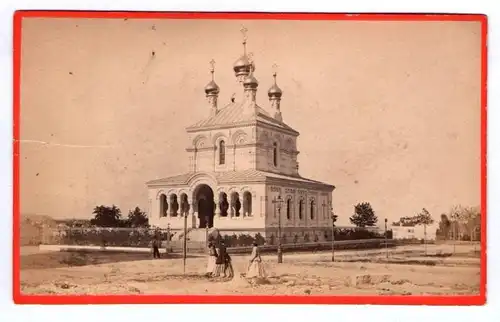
212	88
274	91
250	81
243	66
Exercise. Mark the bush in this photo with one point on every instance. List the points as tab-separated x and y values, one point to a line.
243	240
125	237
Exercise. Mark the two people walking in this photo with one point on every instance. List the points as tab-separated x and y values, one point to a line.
219	261
220	264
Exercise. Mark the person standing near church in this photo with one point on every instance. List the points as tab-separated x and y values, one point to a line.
155	247
212	259
220	262
228	266
255	266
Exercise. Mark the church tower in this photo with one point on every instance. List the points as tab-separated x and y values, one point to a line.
242	156
212	92
275	94
243	135
243	66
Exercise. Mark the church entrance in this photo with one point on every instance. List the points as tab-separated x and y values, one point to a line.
204	197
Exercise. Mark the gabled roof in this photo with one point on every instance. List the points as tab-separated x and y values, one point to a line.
238	114
245	176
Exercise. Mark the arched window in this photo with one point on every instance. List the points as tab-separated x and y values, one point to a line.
163	205
222	152
301	209
175	205
275	154
312	209
247	203
289	209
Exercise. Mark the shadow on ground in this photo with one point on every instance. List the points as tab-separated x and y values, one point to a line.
84	258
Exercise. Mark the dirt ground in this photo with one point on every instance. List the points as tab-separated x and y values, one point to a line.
407	272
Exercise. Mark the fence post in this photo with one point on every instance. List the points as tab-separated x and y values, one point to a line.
385	237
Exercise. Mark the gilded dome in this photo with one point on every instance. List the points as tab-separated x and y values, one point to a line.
275	91
243	65
250	81
212	88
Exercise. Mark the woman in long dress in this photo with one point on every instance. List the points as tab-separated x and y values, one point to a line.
229	271
255	267
212	257
220	261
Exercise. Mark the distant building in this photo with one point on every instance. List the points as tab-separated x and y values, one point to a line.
242	157
414	232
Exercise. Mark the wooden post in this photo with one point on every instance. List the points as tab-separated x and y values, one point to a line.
425	239
385	237
184	246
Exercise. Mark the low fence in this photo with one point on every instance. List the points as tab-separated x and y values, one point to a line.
142	237
123	237
236	243
319	246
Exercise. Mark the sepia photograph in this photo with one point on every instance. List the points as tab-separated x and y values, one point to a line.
258	157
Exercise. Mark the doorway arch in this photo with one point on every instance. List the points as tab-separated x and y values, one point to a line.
204	201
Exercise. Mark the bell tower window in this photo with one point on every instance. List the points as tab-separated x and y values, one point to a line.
222	152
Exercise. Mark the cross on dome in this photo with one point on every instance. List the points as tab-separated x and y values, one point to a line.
212	88
212	68
242	66
275	92
275	73
244	31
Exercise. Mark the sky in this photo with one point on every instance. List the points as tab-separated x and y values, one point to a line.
388	112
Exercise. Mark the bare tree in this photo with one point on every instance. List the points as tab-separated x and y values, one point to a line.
424	218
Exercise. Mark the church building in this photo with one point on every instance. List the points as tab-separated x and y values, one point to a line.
243	168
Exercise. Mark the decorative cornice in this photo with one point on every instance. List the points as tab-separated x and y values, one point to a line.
235	125
322	187
209	148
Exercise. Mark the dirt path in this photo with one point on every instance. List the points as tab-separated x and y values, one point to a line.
77	273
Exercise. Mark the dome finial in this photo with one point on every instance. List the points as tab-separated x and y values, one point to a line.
212	68
244	31
275	94
275	68
241	66
212	91
212	88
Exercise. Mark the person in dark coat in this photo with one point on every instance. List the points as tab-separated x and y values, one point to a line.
220	262
228	266
156	245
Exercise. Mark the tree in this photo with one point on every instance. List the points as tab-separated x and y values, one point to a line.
423	218
137	218
106	216
466	221
364	216
334	218
444	226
